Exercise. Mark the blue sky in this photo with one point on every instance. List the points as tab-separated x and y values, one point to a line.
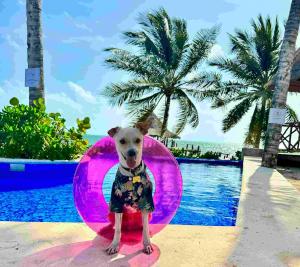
75	34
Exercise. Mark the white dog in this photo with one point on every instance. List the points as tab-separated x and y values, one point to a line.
132	185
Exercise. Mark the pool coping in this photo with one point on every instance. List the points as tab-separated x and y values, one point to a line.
37	161
210	161
76	161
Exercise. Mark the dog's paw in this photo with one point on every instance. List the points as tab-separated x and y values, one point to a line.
113	248
148	249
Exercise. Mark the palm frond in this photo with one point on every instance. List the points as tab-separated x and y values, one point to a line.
229	89
252	130
203	79
118	93
140	113
143	41
198	50
266	41
179	41
291	115
145	100
241	41
142	66
182	116
140	109
199	85
234	68
188	112
158	25
236	113
256	126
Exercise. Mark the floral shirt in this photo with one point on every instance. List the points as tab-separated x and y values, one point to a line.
133	191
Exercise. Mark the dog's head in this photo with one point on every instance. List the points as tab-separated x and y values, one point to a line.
129	143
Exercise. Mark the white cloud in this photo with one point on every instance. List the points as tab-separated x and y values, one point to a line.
82	93
22	2
87	39
92	40
64	99
105	117
216	51
16	38
78	25
10	40
82	26
9	89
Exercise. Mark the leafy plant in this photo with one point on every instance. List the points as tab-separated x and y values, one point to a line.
30	132
238	156
211	155
181	153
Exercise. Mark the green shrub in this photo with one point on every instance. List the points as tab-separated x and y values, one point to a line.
30	132
180	152
211	155
177	152
238	156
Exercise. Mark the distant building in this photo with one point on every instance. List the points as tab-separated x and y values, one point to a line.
295	75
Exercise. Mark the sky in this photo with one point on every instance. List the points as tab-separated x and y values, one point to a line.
75	32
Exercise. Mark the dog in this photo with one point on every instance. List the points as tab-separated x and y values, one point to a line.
132	186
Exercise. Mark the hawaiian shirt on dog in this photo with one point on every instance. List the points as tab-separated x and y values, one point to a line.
133	191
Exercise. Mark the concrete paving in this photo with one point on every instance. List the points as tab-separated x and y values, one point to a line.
268	219
267	234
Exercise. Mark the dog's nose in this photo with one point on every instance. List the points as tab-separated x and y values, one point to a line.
131	153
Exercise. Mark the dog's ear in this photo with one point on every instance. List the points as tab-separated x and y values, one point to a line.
143	126
113	131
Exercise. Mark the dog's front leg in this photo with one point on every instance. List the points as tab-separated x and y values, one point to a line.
146	235
114	246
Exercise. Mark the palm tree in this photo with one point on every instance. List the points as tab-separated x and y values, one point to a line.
161	65
34	46
286	58
252	66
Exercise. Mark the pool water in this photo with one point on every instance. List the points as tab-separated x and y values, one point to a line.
210	197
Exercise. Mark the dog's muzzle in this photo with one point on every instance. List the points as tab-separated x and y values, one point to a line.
131	158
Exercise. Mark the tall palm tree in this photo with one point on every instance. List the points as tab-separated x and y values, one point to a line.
34	46
287	54
161	65
252	66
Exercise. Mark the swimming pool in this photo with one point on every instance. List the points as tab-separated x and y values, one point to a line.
210	197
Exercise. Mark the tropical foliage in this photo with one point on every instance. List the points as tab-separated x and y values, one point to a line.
160	64
30	132
253	65
182	153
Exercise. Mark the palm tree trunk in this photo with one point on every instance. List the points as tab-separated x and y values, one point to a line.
261	123
166	116
34	46
287	54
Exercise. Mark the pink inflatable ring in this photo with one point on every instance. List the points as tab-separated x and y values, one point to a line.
90	174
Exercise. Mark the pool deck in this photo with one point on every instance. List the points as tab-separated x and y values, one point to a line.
267	234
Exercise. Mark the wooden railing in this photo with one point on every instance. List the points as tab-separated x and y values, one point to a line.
290	137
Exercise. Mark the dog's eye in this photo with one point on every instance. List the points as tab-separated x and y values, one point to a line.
138	140
122	141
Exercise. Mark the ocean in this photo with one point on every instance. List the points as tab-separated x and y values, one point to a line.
225	148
